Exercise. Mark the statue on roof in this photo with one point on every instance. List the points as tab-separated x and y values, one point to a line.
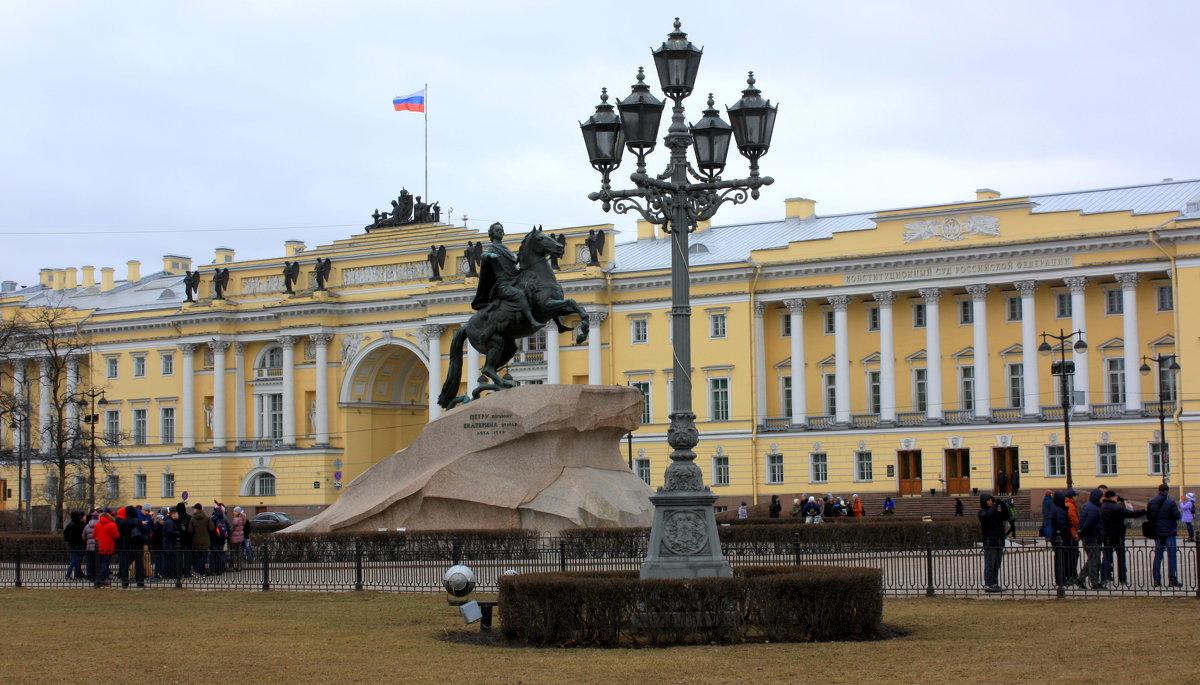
561	240
191	284
595	246
322	270
437	261
220	283
472	253
291	273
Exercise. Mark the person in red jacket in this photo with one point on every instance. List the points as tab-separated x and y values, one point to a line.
856	508
106	535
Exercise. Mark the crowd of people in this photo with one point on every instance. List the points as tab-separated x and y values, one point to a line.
1100	525
155	545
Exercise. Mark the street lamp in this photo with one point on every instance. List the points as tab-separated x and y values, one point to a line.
683	537
91	418
1064	370
1168	362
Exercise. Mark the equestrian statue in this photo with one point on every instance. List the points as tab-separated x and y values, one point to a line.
516	295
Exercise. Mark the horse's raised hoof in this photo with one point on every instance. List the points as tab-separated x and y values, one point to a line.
461	399
580	337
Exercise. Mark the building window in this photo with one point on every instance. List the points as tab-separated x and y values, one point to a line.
1016	385
166	425
52	487
1062	305
820	467
78	487
920	390
785	384
639	331
716	325
1156	458
1114	376
785	325
966	312
718	399
263	485
168	486
535	342
1014	308
966	386
641	466
1164	297
863	470
1058	390
274	416
1056	461
139	367
830	321
872	318
110	367
830	394
874	397
918	315
168	364
1106	459
112	426
112	487
774	469
139	486
1166	382
1113	303
720	470
139	426
644	388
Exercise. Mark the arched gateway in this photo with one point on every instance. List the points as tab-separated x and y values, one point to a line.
384	401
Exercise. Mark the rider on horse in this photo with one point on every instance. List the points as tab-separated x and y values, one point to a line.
498	270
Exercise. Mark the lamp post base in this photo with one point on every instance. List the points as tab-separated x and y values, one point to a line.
683	538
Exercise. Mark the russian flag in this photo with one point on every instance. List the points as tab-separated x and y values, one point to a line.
410	103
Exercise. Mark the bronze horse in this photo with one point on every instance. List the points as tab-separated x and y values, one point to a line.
494	331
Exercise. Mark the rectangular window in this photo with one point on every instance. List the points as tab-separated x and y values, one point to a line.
721	470
1014	308
1016	385
670	395
718	399
863	470
1056	461
641	467
1062	305
275	416
644	388
52	487
872	318
1166	381
830	321
966	386
918	315
830	394
168	364
1114	376
1106	459
1156	458
1113	303
774	469
639	331
166	426
874	397
139	486
1164	297
716	325
785	325
966	312
920	390
78	487
112	426
139	426
139	367
112	487
785	382
820	467
110	367
168	486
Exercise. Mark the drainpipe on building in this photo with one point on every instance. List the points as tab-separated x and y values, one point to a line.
754	408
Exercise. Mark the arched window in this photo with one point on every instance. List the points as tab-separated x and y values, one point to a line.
270	363
263	485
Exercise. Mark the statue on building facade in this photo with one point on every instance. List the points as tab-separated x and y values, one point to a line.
191	284
514	295
562	240
291	273
406	210
595	246
473	252
437	261
322	270
220	282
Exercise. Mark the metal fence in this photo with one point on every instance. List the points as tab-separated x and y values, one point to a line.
1028	567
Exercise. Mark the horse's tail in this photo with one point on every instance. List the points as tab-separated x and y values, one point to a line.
454	373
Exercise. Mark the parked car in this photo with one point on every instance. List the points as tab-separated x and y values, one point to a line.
273	517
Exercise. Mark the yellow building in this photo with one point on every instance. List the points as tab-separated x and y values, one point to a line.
876	352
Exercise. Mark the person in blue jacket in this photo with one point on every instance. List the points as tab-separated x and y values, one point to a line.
1091	531
1165	514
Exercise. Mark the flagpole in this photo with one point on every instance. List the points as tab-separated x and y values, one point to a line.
426	112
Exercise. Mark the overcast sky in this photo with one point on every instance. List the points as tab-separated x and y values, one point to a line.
129	130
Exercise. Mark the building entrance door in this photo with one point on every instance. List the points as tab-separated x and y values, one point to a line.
958	471
1006	458
910	471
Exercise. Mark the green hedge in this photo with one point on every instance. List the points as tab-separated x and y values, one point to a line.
776	603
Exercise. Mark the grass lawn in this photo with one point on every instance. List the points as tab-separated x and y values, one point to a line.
166	636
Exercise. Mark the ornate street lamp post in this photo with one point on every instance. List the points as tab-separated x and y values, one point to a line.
683	538
1064	370
1162	361
91	418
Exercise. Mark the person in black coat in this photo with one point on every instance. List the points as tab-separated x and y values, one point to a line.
1001	482
73	534
1060	528
130	543
1165	514
775	507
992	518
169	544
1113	515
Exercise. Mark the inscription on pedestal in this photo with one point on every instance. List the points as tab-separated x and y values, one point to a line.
489	424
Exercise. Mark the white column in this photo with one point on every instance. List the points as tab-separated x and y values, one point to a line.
1083	381
45	434
595	319
19	380
321	343
760	362
239	393
1031	400
288	343
799	391
841	368
432	335
553	354
933	353
1132	344
72	388
187	401
887	358
218	420
983	374
472	368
